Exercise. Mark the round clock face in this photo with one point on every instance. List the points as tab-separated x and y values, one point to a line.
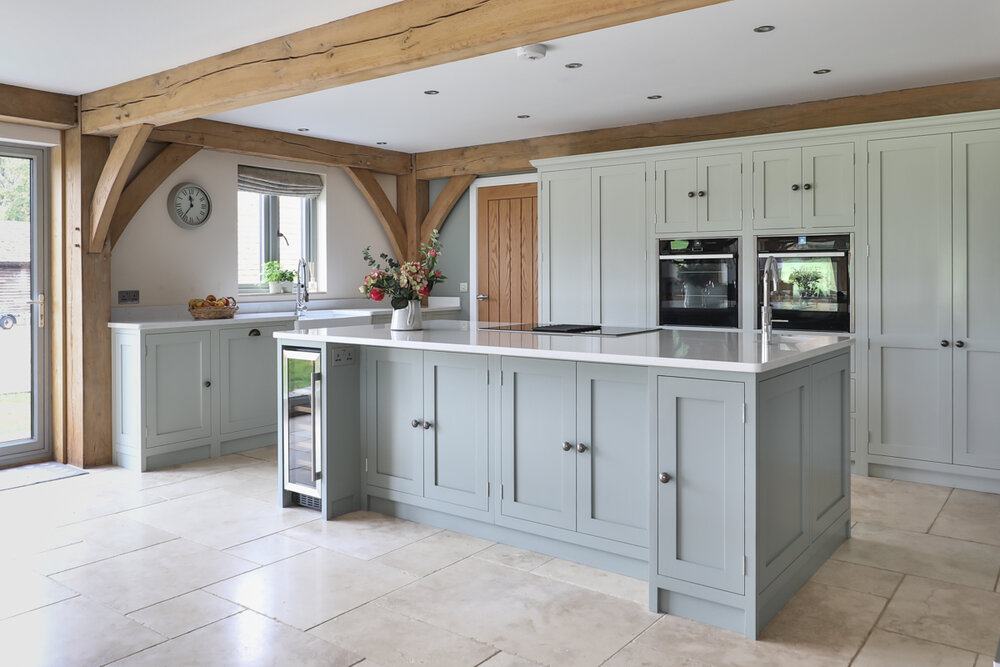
189	205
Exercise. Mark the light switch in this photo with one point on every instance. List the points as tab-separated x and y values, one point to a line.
463	287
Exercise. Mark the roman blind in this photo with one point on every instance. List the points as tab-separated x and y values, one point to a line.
278	182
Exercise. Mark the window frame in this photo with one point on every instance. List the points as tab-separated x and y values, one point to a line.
269	231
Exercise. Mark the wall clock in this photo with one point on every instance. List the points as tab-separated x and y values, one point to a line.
189	205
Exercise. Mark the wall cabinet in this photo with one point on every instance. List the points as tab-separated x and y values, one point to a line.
699	194
578	463
806	187
426	422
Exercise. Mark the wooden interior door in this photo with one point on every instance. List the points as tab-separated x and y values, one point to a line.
508	253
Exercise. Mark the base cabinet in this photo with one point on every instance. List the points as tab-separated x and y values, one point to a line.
178	396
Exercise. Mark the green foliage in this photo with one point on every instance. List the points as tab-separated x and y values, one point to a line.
807	280
273	273
15	189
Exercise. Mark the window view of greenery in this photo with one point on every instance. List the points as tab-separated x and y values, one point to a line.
15	290
272	228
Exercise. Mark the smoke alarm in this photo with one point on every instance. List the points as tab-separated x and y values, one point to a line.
532	52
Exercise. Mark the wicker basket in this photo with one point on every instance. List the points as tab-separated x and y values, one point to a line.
213	312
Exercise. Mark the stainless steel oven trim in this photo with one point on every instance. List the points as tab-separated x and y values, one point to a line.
804	255
680	258
304	355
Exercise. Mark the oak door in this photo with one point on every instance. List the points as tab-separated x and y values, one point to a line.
508	253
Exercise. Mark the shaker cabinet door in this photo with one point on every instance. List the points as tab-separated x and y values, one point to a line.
248	391
569	244
619	203
179	387
676	196
828	186
777	189
720	193
394	400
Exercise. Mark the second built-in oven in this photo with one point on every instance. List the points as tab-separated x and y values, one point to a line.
698	282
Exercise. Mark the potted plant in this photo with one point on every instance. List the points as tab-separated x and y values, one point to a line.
404	284
276	277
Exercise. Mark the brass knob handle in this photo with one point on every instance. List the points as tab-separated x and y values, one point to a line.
795	188
415	423
664	478
566	446
581	447
427	425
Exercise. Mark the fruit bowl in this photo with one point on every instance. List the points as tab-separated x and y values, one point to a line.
211	308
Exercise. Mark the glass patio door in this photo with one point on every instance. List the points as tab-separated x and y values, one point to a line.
24	423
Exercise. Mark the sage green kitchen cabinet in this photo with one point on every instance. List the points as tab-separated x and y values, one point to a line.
178	396
619	204
574	448
248	393
427	424
809	187
699	194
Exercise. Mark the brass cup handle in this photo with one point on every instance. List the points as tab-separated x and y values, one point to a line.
664	478
581	447
566	446
415	423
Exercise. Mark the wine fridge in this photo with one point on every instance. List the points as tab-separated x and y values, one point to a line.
301	424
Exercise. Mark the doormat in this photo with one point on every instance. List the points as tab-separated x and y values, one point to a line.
36	473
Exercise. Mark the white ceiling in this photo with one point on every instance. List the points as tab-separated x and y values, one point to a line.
702	62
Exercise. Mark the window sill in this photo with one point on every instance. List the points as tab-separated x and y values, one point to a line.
255	297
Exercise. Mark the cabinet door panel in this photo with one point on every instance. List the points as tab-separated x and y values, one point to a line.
700	519
720	177
829	443
455	447
248	391
570	248
538	407
178	405
829	172
775	204
909	291
394	383
976	298
676	209
613	473
620	203
783	423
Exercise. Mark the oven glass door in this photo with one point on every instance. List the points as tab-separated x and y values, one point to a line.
814	282
699	289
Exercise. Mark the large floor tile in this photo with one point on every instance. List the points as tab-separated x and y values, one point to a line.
932	556
902	505
69	633
521	559
267	550
970	515
362	534
859	578
140	578
434	552
504	659
395	640
945	613
246	639
21	591
238	481
888	649
602	581
98	539
176	616
221	519
544	620
313	587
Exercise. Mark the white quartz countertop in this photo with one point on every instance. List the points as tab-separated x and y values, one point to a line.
669	348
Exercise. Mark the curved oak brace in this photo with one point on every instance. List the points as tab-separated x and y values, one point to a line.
145	182
442	206
109	188
377	199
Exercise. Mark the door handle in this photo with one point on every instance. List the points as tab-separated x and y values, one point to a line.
481	297
40	302
945	343
959	343
316	389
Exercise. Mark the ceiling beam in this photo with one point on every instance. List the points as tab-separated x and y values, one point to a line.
380	204
452	192
145	182
112	181
513	156
283	145
37	107
400	37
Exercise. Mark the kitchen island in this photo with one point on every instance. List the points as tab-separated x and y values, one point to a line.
708	463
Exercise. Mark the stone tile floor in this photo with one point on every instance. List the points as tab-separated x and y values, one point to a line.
198	566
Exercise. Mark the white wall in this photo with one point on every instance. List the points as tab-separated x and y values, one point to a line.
169	265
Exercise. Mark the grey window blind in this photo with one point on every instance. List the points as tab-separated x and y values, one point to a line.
279	182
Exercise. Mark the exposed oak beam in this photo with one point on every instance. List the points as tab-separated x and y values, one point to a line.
412	200
400	37
266	143
145	182
514	156
379	202
113	178
37	107
442	206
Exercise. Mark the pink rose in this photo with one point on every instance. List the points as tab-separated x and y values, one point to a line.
423	291
376	294
433	253
437	274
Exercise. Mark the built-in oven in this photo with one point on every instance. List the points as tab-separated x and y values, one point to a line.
812	289
698	282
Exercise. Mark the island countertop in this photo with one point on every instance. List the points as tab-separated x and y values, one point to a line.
670	348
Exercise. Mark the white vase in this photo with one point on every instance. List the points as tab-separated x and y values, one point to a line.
407	319
274	287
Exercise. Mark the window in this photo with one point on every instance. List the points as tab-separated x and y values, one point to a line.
276	221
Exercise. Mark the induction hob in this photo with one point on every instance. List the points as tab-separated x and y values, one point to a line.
569	329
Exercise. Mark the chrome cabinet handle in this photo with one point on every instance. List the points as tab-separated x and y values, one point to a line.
959	343
664	478
944	343
581	447
427	425
415	423
566	446
316	387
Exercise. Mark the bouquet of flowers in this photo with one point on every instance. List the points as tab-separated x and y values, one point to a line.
405	282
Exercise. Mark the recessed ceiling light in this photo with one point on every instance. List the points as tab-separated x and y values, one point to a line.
653	97
431	92
380	143
303	129
821	71
523	116
573	65
764	28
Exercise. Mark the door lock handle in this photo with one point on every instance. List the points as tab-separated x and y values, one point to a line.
481	297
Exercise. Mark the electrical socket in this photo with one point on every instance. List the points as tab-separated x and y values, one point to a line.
128	296
463	287
343	356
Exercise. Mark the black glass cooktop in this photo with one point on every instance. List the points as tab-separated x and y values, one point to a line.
569	329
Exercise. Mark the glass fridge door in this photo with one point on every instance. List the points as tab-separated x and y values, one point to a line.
301	408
